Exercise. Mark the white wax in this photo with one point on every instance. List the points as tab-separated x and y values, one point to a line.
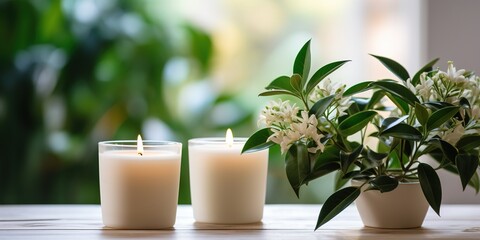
227	187
139	192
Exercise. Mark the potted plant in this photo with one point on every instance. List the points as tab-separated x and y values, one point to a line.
328	128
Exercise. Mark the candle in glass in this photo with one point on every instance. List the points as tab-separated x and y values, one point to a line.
226	186
139	183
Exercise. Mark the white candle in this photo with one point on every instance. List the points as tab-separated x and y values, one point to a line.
139	190
226	186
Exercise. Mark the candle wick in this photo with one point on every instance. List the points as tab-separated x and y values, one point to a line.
140	154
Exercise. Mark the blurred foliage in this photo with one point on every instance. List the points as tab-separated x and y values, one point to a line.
73	73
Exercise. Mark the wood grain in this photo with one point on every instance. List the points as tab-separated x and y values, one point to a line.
279	222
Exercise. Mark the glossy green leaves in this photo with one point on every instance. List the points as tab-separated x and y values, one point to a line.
394	67
467	165
383	183
356	122
297	166
336	203
258	141
298	84
431	186
301	65
441	116
322	73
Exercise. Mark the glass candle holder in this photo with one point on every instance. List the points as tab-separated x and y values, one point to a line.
227	187
139	190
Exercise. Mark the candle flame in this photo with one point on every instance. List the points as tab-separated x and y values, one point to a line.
229	137
139	145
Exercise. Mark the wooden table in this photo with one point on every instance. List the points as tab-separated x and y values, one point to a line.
280	222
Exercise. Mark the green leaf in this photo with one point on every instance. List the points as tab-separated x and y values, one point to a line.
374	159
331	154
357	88
320	106
341	179
347	177
322	73
402	105
441	116
392	122
356	122
326	162
346	159
296	170
402	131
276	92
383	183
397	90
468	142
431	186
426	68
281	83
376	97
474	181
303	160
296	83
360	103
302	62
448	150
291	169
336	203
467	166
437	105
322	170
421	113
258	141
393	66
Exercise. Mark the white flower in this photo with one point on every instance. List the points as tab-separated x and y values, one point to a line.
424	88
410	86
277	136
340	104
343	106
307	127
456	76
277	113
303	129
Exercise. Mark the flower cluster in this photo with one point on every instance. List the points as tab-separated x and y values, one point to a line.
340	104
288	128
450	87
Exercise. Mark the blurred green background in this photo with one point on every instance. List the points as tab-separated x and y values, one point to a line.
77	72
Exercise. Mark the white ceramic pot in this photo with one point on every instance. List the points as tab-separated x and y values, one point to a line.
404	207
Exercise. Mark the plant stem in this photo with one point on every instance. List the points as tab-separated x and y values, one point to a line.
305	102
340	144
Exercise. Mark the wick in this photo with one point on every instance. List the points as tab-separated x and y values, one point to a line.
140	154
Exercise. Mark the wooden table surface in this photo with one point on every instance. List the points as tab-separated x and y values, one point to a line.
279	222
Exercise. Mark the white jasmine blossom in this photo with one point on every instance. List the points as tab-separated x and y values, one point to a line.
343	106
424	88
456	76
307	127
278	113
410	86
303	128
340	103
